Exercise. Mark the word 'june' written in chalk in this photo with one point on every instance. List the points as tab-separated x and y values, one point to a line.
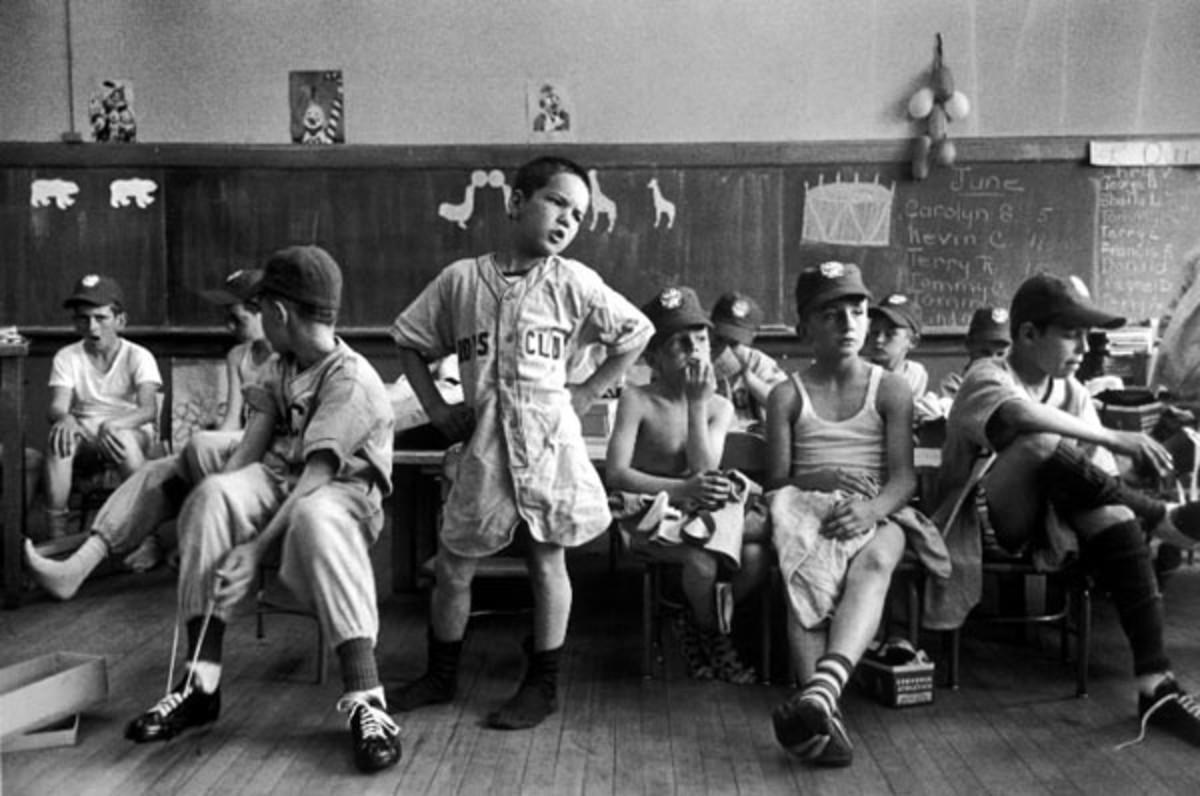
962	243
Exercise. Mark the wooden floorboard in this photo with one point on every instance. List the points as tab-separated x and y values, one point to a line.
1014	727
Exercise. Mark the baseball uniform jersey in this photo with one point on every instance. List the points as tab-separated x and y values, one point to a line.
526	459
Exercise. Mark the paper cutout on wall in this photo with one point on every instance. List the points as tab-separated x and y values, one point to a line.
663	208
61	192
136	190
601	204
549	111
110	111
461	213
848	213
318	107
496	180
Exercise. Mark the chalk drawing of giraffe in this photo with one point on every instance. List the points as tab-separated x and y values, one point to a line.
662	206
601	204
461	213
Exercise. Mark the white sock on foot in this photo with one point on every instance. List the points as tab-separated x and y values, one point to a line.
63	578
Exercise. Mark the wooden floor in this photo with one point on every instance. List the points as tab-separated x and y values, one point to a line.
1013	728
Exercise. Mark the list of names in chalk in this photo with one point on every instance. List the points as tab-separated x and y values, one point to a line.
972	239
1136	250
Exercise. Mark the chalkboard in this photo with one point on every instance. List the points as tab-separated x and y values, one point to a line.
715	217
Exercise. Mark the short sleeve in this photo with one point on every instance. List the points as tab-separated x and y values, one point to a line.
614	322
986	387
143	367
344	419
61	373
426	324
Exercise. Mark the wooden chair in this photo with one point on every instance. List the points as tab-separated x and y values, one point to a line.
274	598
1060	598
746	452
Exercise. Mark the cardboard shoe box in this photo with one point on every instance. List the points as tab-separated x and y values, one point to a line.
40	698
896	686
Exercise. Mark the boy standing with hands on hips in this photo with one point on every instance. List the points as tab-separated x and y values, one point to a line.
513	317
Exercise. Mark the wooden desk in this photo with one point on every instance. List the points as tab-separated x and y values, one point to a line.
12	436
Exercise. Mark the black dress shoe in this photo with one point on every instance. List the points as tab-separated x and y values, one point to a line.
186	706
376	736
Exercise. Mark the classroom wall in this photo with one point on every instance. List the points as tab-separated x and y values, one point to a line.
455	71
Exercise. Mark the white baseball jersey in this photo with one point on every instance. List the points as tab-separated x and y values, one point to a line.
513	334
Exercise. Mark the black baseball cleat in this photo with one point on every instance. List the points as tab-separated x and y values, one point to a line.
186	706
1173	710
376	736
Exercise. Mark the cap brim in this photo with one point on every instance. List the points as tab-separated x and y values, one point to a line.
896	318
833	294
1089	317
989	337
91	301
736	333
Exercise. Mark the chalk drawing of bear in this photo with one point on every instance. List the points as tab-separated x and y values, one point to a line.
61	192
136	190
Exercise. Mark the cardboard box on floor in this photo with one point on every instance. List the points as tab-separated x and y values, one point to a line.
42	692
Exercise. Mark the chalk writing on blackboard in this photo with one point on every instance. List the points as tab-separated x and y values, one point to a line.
847	213
971	239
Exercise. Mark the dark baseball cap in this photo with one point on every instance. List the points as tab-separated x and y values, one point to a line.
237	287
898	310
829	281
737	317
305	274
97	291
1046	298
989	324
675	309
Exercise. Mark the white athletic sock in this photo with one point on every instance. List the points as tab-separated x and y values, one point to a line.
206	676
63	578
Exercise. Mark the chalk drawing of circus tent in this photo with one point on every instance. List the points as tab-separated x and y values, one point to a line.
848	213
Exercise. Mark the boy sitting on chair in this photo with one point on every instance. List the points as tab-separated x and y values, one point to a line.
840	457
103	396
674	504
744	374
315	464
1026	465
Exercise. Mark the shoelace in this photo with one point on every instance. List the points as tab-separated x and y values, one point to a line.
1186	701
373	722
171	702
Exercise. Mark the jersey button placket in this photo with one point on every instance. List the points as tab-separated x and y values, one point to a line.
507	363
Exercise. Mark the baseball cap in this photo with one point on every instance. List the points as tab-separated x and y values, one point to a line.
95	290
1046	298
674	309
898	310
237	287
828	281
306	274
989	324
737	316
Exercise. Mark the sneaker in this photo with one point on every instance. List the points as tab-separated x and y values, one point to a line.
376	736
726	664
805	730
692	648
1173	710
186	706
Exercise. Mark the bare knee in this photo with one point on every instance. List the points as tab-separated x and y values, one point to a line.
454	572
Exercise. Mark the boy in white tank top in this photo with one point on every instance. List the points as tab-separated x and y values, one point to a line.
840	457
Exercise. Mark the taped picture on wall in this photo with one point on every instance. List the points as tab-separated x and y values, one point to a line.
318	107
549	111
110	110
